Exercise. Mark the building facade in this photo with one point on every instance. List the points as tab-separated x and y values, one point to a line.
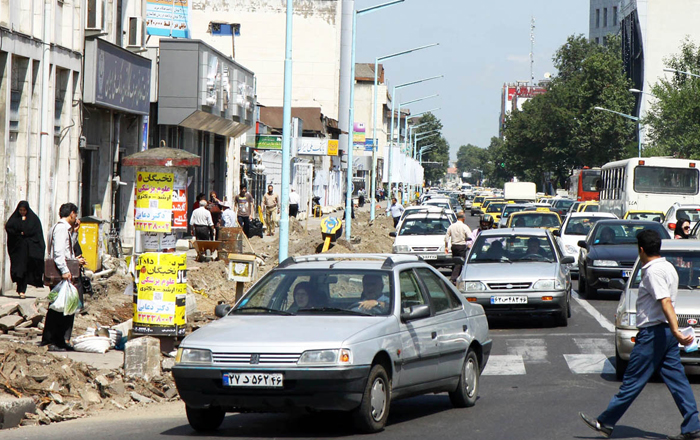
604	19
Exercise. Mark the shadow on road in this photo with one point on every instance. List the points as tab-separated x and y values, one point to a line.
325	424
622	431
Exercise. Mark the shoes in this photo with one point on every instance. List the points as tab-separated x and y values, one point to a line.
595	425
56	348
22	295
686	436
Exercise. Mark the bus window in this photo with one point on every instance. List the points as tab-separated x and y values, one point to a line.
660	180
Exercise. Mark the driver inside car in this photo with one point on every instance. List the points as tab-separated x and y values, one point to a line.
534	247
372	296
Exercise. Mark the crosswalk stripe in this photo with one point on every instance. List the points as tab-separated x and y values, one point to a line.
602	320
594	363
595	345
531	350
504	365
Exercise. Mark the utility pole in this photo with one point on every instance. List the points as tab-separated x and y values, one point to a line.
345	99
286	137
532	51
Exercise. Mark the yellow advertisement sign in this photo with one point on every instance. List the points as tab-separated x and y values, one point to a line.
333	147
159	304
154	201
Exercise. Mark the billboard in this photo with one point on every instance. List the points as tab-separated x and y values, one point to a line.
358	135
168	18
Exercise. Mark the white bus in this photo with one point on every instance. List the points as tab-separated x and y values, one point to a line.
648	184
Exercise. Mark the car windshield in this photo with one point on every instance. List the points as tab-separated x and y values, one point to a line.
535	220
478	199
580	225
319	292
623	233
590	208
687	264
509	209
563	204
444	205
424	226
691	214
495	207
511	248
650	216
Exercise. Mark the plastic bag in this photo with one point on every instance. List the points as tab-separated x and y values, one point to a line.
64	298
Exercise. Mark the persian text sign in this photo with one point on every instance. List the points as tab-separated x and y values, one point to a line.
180	200
154	201
168	18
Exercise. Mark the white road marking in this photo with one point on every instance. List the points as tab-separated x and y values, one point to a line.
596	363
595	345
533	350
602	320
504	365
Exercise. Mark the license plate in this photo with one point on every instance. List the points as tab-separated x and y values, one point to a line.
626	273
509	300
429	257
258	380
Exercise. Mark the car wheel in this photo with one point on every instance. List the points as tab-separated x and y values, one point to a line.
620	366
373	411
591	291
468	388
581	284
205	419
562	318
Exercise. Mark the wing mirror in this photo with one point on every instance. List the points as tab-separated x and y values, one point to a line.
222	310
416	312
582	244
617	283
392	234
556	233
567	260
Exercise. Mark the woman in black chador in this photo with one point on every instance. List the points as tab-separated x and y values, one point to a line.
25	244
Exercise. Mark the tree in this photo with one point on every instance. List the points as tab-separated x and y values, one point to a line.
673	122
436	160
471	158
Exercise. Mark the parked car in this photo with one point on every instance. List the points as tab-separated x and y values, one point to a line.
654	216
335	332
423	234
691	212
518	271
576	226
609	251
540	218
685	257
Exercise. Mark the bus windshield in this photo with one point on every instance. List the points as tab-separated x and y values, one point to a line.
589	180
662	180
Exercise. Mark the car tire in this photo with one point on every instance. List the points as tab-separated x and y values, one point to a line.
373	411
591	291
620	366
562	319
205	419
468	388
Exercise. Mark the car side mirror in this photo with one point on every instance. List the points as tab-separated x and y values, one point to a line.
392	234
222	310
617	283
567	260
556	233
582	244
416	312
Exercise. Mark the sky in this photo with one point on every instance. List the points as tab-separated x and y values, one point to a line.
483	44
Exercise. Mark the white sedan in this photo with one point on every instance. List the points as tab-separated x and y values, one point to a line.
576	228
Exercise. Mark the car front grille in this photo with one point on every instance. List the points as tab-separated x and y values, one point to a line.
627	264
683	320
509	286
424	249
261	358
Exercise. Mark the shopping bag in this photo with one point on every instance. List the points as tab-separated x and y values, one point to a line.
64	298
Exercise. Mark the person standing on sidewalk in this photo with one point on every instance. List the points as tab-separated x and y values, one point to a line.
396	210
271	203
294	200
245	206
459	234
656	345
26	247
201	222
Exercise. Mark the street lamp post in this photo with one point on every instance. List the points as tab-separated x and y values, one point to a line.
373	171
681	72
286	137
421	136
426	148
351	111
633	118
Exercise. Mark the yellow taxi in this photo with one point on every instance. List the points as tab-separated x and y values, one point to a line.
495	209
539	218
487	201
476	204
588	207
656	216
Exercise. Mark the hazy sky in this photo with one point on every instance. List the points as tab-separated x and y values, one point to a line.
482	45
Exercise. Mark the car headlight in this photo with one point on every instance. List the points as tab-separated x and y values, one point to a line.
401	249
553	284
193	356
570	250
605	263
628	319
473	286
326	357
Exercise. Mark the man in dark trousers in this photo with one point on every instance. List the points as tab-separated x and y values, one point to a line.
656	346
396	209
245	207
459	234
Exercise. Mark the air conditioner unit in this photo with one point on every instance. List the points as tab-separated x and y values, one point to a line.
134	29
95	19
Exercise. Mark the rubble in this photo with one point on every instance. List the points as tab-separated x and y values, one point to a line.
21	321
142	358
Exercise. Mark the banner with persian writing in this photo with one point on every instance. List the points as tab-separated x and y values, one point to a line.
154	201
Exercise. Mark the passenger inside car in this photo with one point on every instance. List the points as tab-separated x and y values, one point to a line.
306	298
606	236
520	222
495	251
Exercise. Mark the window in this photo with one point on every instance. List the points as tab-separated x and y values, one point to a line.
15	96
410	292
597	21
580	225
661	180
614	15
605	17
597	40
441	296
511	248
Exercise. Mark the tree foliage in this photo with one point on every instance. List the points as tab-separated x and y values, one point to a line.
436	160
560	130
673	122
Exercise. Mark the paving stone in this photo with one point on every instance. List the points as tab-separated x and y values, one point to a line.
9	322
8	308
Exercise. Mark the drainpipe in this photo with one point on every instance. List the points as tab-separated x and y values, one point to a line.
46	125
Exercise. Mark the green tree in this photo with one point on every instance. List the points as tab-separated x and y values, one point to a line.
673	122
436	160
471	158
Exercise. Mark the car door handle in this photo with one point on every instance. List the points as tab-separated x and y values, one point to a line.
433	335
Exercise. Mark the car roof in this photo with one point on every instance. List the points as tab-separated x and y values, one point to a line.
428	214
348	261
520	205
519	213
540	232
609	215
669	244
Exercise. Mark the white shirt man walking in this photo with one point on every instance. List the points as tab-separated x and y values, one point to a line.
459	234
396	210
294	200
201	222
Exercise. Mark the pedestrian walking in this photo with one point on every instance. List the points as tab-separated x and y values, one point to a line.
26	247
214	208
202	223
294	200
271	203
57	326
245	205
361	198
228	217
656	345
395	210
458	234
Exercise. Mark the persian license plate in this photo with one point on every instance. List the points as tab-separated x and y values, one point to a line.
509	300
626	273
258	380
429	256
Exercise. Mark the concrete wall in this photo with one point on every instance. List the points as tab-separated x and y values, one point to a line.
364	94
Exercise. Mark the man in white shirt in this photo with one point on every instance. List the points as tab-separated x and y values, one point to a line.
459	235
396	210
656	345
201	222
294	200
228	216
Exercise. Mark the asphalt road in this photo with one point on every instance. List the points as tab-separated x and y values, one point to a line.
537	380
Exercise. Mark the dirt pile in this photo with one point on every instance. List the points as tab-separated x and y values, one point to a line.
107	307
64	389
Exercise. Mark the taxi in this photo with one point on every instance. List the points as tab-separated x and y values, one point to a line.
539	218
589	207
656	216
495	209
476	205
487	201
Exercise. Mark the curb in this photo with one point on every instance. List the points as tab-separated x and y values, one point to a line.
12	411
